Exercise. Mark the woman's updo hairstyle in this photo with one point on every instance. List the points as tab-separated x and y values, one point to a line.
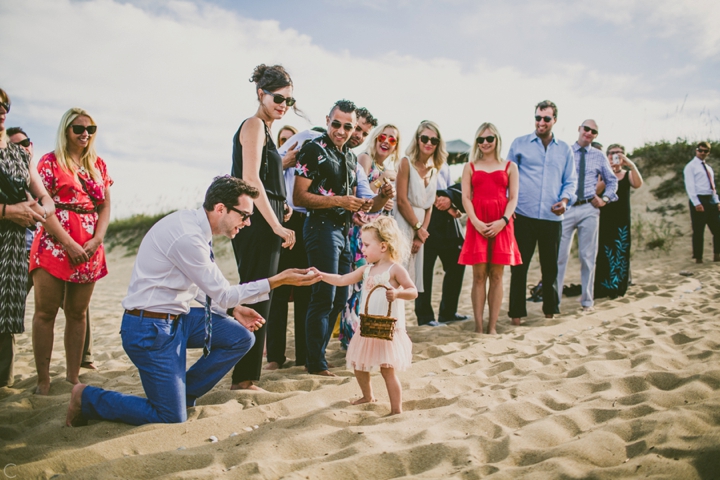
272	79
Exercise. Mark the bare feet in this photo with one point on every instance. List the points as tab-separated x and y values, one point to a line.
516	321
362	400
395	412
492	331
74	416
246	385
43	389
550	315
271	366
324	373
88	365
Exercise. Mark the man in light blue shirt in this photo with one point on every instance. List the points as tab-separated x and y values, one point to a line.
547	185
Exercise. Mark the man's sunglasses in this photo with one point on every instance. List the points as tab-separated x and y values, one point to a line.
389	138
243	215
79	129
24	143
6	106
588	129
277	98
426	139
336	124
702	150
489	139
546	118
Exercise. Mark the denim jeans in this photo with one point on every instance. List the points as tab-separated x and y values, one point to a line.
328	249
157	348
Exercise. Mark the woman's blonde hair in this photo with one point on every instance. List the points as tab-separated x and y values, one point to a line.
440	155
5	98
89	156
387	230
476	152
372	147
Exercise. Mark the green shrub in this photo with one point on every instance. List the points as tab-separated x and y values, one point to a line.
129	232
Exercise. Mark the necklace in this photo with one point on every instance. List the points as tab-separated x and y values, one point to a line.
80	168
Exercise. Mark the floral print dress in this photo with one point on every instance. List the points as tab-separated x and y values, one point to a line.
76	196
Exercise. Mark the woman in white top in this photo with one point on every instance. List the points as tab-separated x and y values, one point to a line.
416	186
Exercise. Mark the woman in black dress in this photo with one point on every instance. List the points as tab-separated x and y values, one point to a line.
256	160
612	267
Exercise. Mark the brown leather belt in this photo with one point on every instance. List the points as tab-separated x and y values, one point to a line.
145	313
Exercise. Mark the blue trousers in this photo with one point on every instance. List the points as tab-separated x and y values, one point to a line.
157	348
328	249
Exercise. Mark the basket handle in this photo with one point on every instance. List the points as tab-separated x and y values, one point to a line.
368	299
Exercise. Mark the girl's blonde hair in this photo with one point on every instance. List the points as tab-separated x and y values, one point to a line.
5	98
89	156
440	155
387	230
476	152
372	147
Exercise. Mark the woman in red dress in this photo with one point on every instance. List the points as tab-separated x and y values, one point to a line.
67	255
489	195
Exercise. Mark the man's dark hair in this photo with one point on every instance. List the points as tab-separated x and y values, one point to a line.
703	144
345	106
363	112
226	190
597	145
547	104
15	130
319	129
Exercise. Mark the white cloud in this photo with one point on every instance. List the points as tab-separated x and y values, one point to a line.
170	87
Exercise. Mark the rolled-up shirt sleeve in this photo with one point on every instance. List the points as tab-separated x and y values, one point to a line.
192	257
569	178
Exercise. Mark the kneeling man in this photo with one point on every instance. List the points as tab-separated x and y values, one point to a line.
174	266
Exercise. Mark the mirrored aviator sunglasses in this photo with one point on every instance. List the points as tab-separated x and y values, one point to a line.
433	140
277	98
79	129
389	138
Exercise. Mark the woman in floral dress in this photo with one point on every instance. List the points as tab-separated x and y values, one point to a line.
67	255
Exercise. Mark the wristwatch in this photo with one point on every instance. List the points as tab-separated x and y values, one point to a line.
605	199
417	226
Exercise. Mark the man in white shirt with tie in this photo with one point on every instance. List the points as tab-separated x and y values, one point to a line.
174	266
704	205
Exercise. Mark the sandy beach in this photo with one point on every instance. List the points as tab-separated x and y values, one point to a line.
627	391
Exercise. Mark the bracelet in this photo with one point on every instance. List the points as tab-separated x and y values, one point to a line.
506	220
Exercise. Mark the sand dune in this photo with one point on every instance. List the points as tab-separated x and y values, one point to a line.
627	391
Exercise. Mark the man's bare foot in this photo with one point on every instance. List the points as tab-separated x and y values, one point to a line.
324	373
74	416
515	321
362	400
271	366
88	365
549	315
246	385
42	389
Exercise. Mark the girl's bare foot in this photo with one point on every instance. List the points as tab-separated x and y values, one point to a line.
395	412
43	389
74	382
271	366
74	417
246	385
492	332
362	400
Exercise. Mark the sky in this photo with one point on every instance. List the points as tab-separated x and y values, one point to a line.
167	81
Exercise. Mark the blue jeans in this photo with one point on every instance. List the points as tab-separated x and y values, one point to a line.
328	249
157	348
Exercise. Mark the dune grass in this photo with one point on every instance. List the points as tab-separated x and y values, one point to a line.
129	232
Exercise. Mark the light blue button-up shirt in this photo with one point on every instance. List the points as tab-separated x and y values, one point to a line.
546	176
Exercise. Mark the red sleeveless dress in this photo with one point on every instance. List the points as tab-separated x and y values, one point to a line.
489	202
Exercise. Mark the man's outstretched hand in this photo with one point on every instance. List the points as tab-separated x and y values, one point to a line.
248	318
300	277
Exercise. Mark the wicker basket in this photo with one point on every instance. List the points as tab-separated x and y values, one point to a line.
377	326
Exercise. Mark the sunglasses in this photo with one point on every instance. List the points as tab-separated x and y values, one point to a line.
702	150
588	129
336	124
24	143
426	139
79	129
546	119
277	98
243	215
390	139
489	139
6	106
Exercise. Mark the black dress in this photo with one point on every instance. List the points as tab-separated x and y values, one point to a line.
612	267
256	247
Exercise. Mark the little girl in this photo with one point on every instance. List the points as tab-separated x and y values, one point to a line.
384	248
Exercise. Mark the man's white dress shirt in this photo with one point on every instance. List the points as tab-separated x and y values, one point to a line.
697	181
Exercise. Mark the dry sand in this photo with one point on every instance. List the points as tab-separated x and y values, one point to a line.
628	391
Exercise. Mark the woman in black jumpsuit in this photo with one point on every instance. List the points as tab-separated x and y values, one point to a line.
256	160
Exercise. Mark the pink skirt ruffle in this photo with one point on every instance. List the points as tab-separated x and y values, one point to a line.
369	354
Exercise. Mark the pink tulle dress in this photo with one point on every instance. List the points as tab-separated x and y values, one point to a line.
368	354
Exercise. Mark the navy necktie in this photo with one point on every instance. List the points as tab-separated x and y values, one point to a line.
208	316
581	176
